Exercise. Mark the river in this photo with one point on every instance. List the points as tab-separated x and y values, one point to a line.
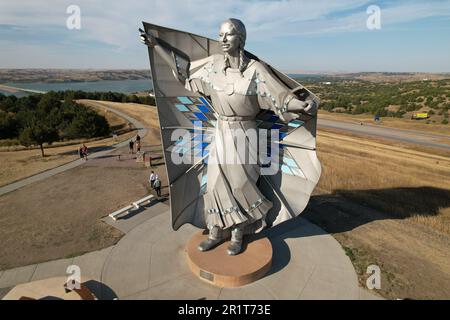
122	86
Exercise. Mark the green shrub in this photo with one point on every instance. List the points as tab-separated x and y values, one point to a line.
9	125
87	124
39	119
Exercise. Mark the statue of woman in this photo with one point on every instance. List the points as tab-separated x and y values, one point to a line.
239	88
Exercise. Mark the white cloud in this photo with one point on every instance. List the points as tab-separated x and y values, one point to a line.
115	23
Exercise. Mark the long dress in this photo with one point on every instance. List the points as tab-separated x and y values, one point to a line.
233	197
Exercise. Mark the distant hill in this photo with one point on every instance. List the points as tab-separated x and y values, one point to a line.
70	75
394	76
401	98
374	76
80	75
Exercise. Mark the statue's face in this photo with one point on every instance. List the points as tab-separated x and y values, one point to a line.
229	38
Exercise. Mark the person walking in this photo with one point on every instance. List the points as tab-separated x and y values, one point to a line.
131	146
157	187
84	151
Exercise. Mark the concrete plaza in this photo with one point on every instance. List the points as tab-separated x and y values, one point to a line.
149	262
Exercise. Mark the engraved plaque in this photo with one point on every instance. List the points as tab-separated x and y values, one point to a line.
206	275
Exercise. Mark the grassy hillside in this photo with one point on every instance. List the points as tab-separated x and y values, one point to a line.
392	99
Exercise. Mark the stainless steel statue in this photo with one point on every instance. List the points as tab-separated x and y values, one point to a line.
235	95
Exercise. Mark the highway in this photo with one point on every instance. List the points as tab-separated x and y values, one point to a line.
375	131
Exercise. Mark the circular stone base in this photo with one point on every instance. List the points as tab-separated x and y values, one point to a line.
218	268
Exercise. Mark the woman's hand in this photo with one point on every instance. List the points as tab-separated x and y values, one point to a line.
296	106
288	116
147	38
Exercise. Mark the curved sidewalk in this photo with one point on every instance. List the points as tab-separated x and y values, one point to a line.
149	262
51	172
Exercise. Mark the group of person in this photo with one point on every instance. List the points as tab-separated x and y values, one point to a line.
155	183
83	152
136	143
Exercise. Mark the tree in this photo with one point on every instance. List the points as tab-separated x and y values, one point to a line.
38	132
8	104
49	101
8	125
87	124
133	98
69	96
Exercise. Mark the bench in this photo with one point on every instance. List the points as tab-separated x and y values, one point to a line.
120	211
134	205
148	199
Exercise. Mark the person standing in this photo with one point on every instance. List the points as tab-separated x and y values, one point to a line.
157	186
138	143
138	146
153	177
131	146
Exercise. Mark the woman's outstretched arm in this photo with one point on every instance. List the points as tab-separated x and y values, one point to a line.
276	96
178	61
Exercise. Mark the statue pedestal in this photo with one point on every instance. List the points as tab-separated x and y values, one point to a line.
140	156
218	268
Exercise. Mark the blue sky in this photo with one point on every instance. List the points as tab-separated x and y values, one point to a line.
294	36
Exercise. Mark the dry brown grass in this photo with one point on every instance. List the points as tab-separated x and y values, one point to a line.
60	216
146	114
18	162
357	164
387	205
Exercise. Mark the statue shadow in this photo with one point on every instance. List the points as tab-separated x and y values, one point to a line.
98	289
345	210
101	290
277	235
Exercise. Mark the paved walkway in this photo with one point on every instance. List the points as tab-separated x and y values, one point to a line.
46	174
149	262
